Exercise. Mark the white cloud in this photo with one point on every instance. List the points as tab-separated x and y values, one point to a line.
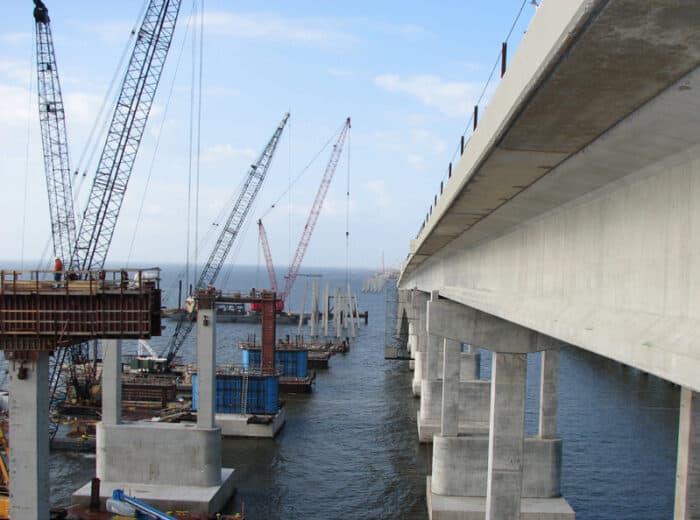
227	152
81	108
214	91
14	105
425	140
416	162
378	189
339	72
16	71
15	38
272	27
452	98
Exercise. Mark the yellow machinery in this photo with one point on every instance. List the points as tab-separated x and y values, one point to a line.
5	485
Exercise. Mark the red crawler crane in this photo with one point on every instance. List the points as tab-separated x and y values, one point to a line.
308	227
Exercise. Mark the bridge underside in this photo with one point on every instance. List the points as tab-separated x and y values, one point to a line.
574	209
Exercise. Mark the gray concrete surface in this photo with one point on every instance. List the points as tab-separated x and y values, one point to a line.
111	381
168	497
236	425
449	413
506	431
460	466
206	368
29	431
178	454
549	394
470	363
687	500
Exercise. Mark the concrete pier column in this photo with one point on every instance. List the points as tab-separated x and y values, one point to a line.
506	430
449	420
549	394
111	381
420	301
29	435
470	363
206	362
433	358
687	505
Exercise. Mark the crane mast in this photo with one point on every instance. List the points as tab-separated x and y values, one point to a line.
268	256
124	135
229	232
315	211
54	140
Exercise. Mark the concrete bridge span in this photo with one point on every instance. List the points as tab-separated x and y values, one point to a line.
573	215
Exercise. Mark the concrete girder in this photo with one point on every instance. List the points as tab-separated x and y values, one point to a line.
462	323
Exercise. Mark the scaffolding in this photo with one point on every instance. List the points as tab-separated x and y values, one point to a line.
46	310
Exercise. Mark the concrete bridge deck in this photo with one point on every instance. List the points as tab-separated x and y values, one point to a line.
572	217
571	210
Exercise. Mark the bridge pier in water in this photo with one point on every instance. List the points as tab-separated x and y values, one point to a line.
493	472
687	502
421	340
174	466
29	433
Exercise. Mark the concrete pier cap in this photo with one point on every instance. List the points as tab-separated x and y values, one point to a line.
463	323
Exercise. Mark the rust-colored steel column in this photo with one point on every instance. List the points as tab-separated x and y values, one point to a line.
269	325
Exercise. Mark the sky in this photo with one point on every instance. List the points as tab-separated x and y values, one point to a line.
408	74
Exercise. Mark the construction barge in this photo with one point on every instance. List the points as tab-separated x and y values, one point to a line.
236	314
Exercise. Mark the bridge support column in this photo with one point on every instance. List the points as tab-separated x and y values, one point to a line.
420	301
687	504
29	434
431	390
549	394
411	343
506	432
449	417
111	381
488	469
206	367
470	362
174	466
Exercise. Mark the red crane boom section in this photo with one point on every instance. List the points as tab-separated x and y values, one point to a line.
314	213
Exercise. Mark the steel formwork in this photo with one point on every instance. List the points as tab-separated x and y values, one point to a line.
40	313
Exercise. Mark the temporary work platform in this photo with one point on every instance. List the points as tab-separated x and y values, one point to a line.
39	313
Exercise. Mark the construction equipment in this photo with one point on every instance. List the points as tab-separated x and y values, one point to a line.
124	135
293	271
228	234
115	165
279	305
4	473
54	138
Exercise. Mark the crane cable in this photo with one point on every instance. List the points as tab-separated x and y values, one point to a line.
26	158
304	170
347	219
157	143
95	137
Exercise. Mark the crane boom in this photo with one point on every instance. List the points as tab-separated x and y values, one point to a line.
54	140
124	135
229	232
268	256
315	211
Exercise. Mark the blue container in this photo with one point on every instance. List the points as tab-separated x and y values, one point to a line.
262	395
294	363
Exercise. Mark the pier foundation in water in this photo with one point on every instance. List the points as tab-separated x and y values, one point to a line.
170	466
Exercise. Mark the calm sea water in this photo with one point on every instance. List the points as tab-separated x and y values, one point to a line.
350	449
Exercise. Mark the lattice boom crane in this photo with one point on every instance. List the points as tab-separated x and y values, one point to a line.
54	140
228	234
124	135
314	213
